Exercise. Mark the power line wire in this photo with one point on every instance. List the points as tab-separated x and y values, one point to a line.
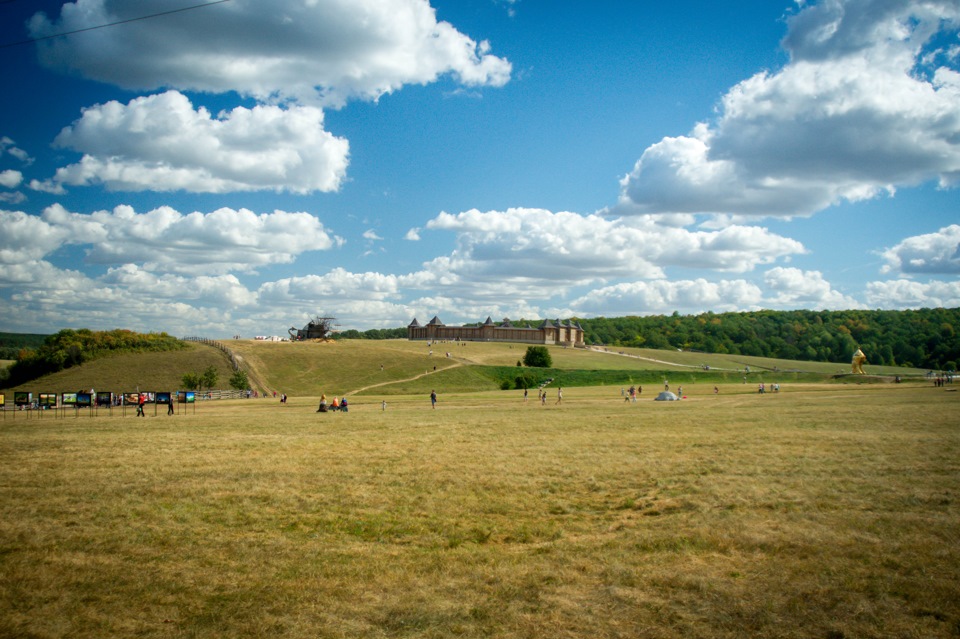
112	24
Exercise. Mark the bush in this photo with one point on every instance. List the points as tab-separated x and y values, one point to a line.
239	381
537	357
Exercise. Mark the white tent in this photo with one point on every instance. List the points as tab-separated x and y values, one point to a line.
666	396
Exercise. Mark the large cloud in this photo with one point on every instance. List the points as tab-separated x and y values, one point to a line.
665	296
160	143
783	288
27	237
903	294
865	104
538	253
793	288
167	241
931	253
326	51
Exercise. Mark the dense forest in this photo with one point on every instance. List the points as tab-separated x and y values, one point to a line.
74	347
925	338
12	343
373	333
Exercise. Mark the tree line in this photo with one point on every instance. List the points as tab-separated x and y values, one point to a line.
925	338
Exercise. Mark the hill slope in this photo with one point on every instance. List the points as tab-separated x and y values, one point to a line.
397	367
128	371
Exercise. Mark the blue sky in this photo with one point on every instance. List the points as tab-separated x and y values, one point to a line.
236	168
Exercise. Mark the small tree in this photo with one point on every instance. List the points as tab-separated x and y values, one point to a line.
239	381
537	357
210	377
190	381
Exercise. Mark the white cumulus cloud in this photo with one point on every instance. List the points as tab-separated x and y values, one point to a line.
907	294
166	241
539	251
659	297
10	179
794	288
321	51
931	253
161	143
864	105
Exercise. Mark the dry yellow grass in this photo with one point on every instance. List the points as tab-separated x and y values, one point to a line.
821	511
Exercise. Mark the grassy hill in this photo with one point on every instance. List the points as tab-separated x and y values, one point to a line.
128	371
401	367
397	367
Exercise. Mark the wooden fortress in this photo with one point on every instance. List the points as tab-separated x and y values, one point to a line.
563	333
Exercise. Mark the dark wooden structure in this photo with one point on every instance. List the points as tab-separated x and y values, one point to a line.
317	328
563	333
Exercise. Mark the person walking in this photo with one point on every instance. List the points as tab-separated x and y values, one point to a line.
560	394
433	399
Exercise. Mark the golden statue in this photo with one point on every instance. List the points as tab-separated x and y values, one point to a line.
859	359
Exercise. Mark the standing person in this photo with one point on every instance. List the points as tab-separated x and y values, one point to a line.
559	394
524	394
141	401
433	399
170	406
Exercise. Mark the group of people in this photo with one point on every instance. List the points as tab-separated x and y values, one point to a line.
542	395
335	404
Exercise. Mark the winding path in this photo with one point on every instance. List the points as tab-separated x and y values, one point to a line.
408	379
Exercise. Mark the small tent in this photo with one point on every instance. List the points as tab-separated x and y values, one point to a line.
666	396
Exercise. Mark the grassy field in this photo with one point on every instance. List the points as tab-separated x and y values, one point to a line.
825	510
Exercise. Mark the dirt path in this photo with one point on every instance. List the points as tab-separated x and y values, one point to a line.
658	361
409	379
253	377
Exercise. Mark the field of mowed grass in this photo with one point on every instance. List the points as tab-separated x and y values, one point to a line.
824	511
